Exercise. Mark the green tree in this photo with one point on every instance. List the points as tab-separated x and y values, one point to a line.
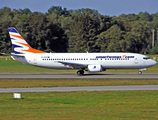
154	50
44	35
105	22
58	10
109	41
5	21
89	11
145	16
83	31
138	38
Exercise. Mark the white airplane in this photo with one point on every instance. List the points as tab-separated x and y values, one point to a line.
91	62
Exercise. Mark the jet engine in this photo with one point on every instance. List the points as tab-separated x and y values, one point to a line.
95	68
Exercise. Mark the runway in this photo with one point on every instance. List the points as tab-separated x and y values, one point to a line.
89	88
74	76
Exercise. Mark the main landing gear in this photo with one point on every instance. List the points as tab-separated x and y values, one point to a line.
80	72
140	72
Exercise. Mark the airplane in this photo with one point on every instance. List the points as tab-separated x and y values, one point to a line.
91	62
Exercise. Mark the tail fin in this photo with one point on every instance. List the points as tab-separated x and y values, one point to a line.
20	46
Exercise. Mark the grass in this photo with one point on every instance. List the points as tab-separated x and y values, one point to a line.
27	83
111	105
7	65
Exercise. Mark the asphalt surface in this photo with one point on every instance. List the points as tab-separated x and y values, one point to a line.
75	76
89	88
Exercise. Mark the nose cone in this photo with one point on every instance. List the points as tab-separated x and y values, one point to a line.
150	63
154	62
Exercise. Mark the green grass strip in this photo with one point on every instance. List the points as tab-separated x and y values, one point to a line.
27	83
101	105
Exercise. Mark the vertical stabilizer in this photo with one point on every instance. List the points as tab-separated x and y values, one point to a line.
20	46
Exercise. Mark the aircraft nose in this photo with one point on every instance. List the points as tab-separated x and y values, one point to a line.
150	63
154	62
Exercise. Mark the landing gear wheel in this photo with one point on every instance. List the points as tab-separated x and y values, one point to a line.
139	72
80	72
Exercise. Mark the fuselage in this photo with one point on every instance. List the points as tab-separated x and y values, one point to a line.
105	60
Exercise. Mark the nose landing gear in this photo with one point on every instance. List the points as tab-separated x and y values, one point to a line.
140	71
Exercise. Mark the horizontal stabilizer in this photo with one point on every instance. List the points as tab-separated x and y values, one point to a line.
12	54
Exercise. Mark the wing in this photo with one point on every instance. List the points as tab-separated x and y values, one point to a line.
73	65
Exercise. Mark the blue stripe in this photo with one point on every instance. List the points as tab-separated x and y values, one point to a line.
17	52
12	30
14	46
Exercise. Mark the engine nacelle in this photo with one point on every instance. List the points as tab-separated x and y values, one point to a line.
95	68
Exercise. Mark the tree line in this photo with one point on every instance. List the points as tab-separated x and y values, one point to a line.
82	30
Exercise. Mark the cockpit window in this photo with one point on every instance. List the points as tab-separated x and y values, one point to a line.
146	58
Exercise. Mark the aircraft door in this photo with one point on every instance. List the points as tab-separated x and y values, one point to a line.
35	60
136	59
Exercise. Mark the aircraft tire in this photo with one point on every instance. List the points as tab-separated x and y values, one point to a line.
140	72
80	72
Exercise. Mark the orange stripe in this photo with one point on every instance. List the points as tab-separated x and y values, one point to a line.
17	36
31	49
123	56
